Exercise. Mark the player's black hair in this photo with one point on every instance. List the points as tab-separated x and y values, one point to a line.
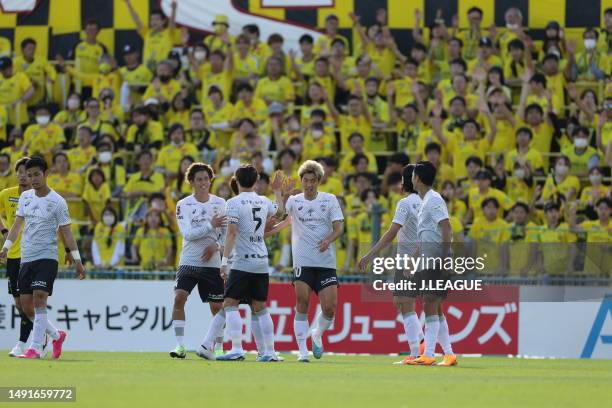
246	175
93	171
234	185
551	205
37	162
605	200
358	157
407	185
426	172
20	162
474	159
27	41
475	10
194	168
525	130
486	202
520	204
539	79
354	135
433	146
459	61
516	44
306	38
399	158
244	86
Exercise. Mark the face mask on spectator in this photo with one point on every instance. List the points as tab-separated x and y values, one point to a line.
108	219
105	157
512	26
590	43
519	173
73	103
42	119
595	178
316	134
580	142
561	169
200	55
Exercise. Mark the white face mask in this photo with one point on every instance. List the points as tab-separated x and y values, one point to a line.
157	206
5	173
294	127
590	43
316	134
554	51
73	103
519	173
200	55
108	219
43	119
580	142
511	26
595	178
105	157
561	169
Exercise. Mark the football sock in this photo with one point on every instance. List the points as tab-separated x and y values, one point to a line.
444	336
38	331
179	331
256	329
267	331
216	325
412	326
323	323
234	326
432	325
25	328
300	328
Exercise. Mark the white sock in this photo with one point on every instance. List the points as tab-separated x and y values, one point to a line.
300	328
432	325
52	331
216	325
256	329
40	326
412	326
179	331
323	323
267	331
234	326
444	336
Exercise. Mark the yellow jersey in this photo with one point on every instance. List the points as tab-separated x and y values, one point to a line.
11	90
9	198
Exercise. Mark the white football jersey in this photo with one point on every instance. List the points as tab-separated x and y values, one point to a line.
311	222
433	210
43	216
193	218
406	214
249	212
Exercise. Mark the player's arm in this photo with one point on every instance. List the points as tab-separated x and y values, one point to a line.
447	236
230	241
277	187
275	229
190	232
74	249
338	228
382	243
134	15
12	236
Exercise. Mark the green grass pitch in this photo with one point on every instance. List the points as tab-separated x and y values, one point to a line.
154	380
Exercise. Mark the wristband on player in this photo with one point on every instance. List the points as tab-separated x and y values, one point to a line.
224	261
7	244
75	255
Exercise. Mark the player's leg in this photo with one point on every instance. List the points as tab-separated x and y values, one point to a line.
326	286
178	322
444	339
216	307
25	327
256	330
406	306
300	321
258	293
237	288
210	288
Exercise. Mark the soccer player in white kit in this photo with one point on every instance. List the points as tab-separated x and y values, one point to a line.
435	236
201	221
316	222
248	278
404	224
42	211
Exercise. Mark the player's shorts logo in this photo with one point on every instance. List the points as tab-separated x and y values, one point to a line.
297	271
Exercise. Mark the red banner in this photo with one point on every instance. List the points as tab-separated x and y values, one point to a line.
489	326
